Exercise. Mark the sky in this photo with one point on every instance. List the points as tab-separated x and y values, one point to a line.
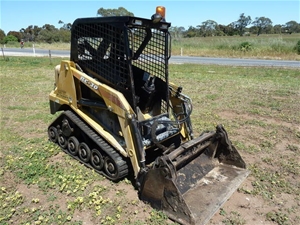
18	14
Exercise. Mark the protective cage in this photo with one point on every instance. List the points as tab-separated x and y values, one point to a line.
123	52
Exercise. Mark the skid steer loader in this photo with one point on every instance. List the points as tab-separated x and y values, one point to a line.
121	116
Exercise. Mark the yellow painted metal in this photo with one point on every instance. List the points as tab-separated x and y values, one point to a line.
65	94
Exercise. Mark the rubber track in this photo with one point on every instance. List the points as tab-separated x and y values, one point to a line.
103	145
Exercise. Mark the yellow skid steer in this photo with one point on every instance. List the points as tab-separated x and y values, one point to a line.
123	118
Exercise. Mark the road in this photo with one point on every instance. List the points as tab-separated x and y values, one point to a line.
173	59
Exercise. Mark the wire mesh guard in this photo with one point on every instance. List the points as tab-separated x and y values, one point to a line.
102	46
111	53
153	57
101	49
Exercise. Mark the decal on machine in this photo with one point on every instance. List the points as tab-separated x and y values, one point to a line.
89	83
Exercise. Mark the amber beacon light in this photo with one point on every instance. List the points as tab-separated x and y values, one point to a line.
159	14
161	10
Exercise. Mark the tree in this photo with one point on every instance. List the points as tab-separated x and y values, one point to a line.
277	29
10	38
176	32
30	33
65	26
16	34
242	23
228	29
209	28
262	24
291	27
64	35
48	36
191	32
49	27
2	36
121	11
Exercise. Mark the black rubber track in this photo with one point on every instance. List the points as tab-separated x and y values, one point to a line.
98	141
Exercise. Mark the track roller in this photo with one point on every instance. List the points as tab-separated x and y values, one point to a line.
62	141
97	160
73	144
84	152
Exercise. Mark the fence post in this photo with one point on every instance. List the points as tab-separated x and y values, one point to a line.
33	49
3	53
50	56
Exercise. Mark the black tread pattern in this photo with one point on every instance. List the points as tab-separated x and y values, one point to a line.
100	142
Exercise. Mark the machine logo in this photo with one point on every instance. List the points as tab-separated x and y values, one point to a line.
89	83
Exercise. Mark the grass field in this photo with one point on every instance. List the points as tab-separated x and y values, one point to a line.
264	46
259	107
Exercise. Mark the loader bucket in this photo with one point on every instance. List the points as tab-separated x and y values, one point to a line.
192	182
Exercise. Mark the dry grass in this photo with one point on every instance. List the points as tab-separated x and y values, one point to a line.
263	47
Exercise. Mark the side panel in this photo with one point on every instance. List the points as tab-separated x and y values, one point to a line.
64	96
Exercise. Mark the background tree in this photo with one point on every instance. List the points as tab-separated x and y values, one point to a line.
16	34
228	29
30	33
242	23
65	26
121	11
2	36
49	27
10	38
209	28
277	29
49	34
191	32
64	35
177	32
262	24
291	27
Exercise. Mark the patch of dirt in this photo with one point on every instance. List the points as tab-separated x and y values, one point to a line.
234	116
250	209
253	209
84	216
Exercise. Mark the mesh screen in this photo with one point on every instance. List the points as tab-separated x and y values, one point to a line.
152	58
101	50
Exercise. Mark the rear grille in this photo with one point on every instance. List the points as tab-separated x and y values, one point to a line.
152	58
101	50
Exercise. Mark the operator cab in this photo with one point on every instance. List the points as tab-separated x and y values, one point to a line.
129	54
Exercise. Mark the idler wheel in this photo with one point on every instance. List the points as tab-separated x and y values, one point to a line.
84	152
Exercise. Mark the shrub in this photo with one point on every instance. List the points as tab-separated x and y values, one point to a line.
245	46
297	47
10	38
